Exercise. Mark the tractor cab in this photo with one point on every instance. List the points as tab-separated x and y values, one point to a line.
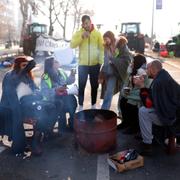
131	31
33	31
37	28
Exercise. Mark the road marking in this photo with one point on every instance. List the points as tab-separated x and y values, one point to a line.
102	168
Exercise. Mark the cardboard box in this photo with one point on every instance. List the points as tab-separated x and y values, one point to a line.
120	167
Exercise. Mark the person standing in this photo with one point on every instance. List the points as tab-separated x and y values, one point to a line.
91	52
107	75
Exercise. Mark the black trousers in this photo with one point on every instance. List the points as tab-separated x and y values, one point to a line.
129	114
83	72
66	104
5	121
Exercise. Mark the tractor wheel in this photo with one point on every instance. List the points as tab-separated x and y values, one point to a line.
140	46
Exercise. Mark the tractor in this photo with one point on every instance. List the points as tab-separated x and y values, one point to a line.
131	30
33	31
173	45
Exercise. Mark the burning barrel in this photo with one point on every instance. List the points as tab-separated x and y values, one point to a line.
95	130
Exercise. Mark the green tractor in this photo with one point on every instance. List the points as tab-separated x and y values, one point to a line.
131	31
33	31
173	45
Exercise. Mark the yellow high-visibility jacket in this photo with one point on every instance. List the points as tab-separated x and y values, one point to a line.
91	50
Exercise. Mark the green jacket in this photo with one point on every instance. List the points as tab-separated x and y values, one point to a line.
91	50
48	80
134	95
48	89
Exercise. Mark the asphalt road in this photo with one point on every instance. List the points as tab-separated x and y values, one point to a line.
62	161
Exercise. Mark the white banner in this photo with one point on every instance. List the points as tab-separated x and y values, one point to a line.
49	44
65	56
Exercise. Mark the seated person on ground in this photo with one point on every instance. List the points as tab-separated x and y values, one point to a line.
160	102
130	99
13	85
54	88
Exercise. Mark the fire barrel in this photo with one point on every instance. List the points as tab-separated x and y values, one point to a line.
95	130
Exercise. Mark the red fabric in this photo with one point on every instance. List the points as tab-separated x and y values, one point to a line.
148	102
164	53
61	92
92	27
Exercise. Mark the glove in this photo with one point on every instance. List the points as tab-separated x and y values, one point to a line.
61	91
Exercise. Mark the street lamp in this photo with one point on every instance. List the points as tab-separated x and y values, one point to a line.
152	27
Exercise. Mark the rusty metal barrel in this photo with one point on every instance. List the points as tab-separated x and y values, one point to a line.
95	130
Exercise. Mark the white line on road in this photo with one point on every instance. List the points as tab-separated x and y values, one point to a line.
102	167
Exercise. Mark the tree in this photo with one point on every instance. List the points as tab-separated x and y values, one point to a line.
25	6
7	30
59	12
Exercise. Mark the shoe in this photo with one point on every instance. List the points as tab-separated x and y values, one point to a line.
80	108
119	116
93	106
146	149
122	126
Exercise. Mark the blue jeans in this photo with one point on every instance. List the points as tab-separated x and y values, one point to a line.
109	92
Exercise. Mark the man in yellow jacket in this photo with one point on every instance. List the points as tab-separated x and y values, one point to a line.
91	56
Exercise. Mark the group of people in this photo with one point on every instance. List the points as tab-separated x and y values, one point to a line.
109	62
148	94
22	99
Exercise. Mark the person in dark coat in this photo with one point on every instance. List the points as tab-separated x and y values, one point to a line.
5	122
21	72
160	101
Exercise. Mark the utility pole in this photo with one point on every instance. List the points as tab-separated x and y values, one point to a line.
152	25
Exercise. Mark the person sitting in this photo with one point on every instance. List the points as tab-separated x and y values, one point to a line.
5	122
20	74
160	103
54	88
130	99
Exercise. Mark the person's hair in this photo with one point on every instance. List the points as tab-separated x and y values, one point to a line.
111	36
121	42
17	64
157	65
138	61
84	18
48	68
48	64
